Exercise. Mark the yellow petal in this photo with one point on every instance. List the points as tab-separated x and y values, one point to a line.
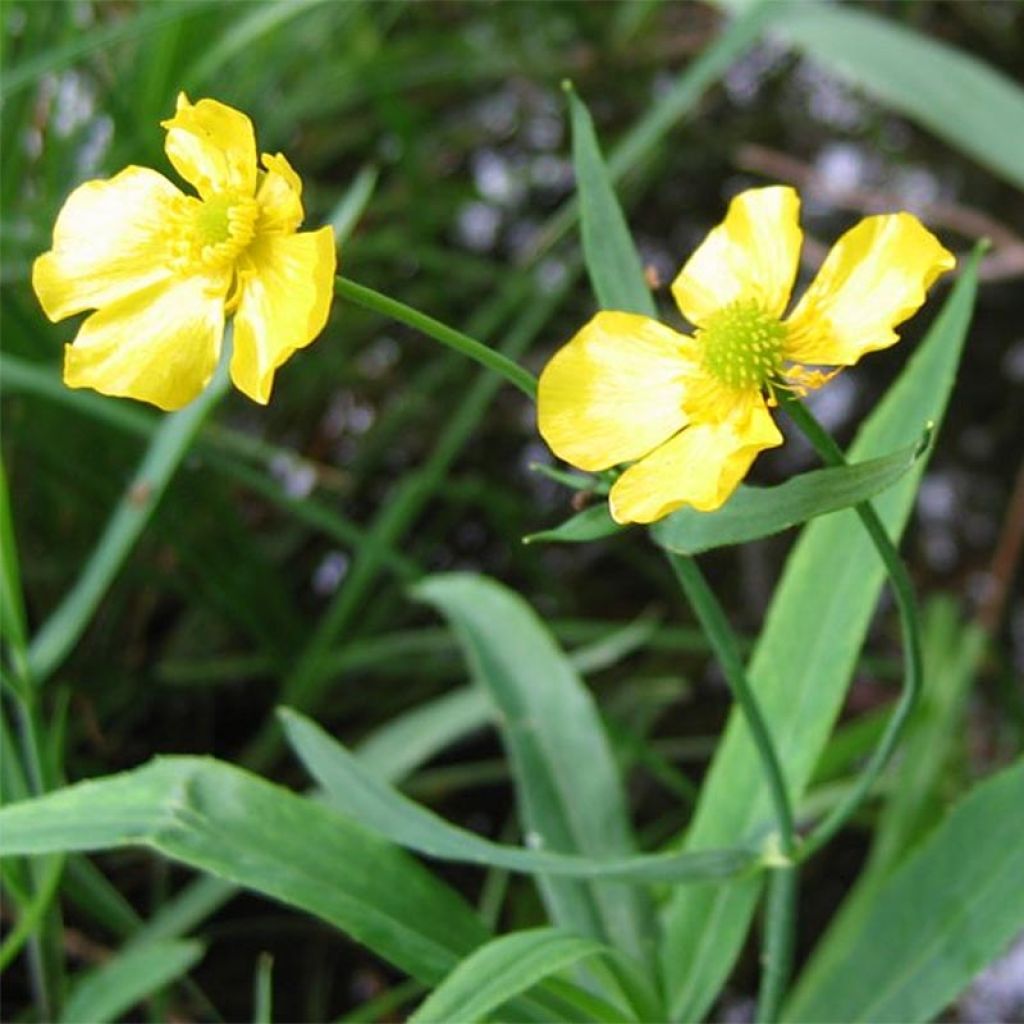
111	239
875	277
287	287
213	146
159	345
615	391
279	197
701	466
752	255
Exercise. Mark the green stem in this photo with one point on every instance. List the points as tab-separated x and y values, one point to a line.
723	642
461	343
780	913
903	590
170	444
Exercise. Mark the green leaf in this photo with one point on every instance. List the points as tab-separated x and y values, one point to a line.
754	512
591	524
961	99
503	968
170	444
615	270
949	909
359	794
570	793
802	665
107	992
411	739
235	826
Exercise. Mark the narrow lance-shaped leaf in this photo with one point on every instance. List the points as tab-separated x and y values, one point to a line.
570	793
372	802
615	270
237	827
948	910
106	992
503	968
802	663
752	512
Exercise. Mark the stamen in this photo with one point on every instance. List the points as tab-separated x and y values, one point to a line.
743	346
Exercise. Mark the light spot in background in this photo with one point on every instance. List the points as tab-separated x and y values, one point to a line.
477	226
745	77
296	476
330	572
1013	361
74	104
842	166
374	361
494	177
828	99
997	994
834	403
550	274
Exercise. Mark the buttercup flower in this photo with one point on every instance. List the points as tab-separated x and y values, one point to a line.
164	269
692	412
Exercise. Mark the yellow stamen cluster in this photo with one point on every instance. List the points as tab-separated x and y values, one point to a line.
216	231
743	345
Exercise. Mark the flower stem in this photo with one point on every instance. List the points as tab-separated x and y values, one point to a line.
780	914
169	446
903	590
462	343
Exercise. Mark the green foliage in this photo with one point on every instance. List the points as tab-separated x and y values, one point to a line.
155	572
106	992
236	827
549	731
500	970
950	907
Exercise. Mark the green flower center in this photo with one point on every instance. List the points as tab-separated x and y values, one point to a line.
224	226
743	345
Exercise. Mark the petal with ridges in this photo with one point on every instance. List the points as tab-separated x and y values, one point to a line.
287	287
160	345
212	146
615	391
753	255
701	466
279	197
876	276
112	238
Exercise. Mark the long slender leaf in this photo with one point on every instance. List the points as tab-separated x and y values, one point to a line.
951	93
570	793
754	512
949	909
239	828
360	795
170	443
615	270
107	991
802	664
503	968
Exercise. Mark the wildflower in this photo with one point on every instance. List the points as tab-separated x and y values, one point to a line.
164	269
692	412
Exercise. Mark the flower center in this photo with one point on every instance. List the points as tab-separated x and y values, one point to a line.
222	227
743	345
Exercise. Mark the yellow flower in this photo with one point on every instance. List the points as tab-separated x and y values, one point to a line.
691	413
163	269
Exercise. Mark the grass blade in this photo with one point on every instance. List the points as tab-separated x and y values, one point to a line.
238	828
107	992
503	968
949	909
360	795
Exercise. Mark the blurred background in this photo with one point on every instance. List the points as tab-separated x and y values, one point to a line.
434	137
